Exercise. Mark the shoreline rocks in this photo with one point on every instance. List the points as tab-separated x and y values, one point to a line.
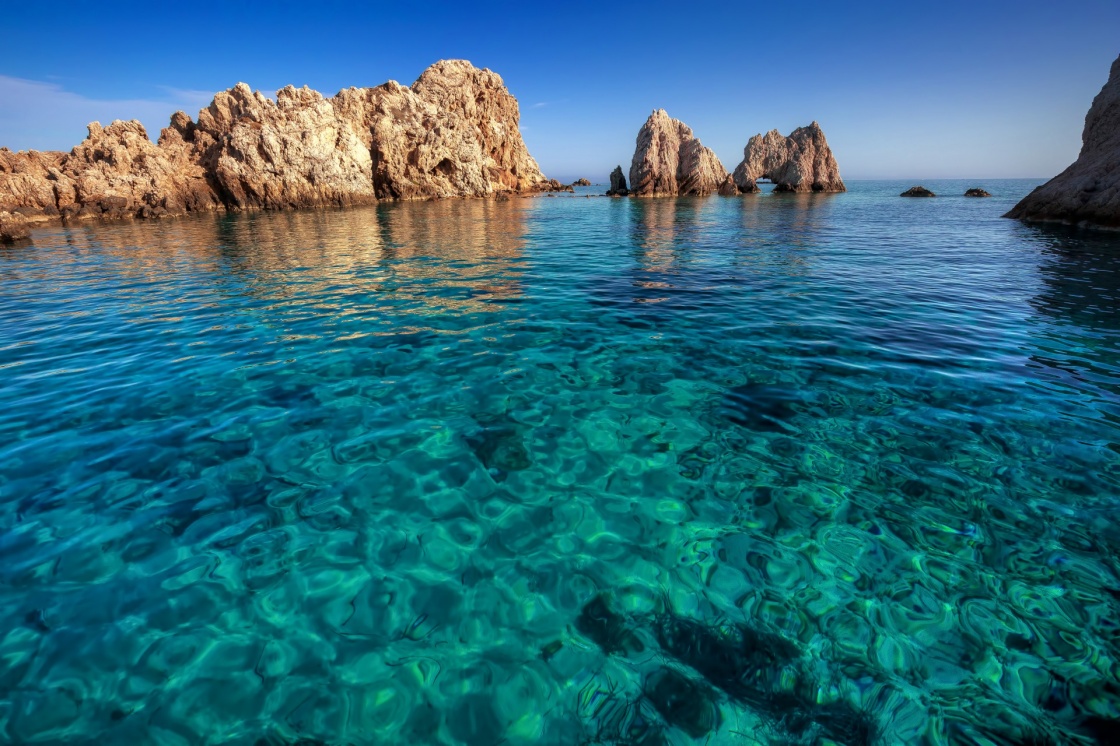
801	162
976	192
618	184
1088	192
453	133
670	161
917	191
13	227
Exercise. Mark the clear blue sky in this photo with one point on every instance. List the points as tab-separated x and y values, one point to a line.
902	89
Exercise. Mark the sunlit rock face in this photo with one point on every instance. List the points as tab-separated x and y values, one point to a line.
801	162
669	160
453	133
1088	192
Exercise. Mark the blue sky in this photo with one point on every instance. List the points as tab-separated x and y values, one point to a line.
903	90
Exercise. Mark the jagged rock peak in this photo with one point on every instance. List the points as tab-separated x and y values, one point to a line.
801	162
453	133
670	160
1088	192
618	183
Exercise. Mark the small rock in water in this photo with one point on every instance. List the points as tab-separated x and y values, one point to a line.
917	191
977	192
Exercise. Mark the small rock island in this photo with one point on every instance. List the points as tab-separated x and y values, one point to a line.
669	160
917	191
801	162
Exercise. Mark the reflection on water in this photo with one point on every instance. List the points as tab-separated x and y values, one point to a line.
778	469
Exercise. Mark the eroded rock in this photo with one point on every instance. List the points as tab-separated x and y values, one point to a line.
917	191
669	160
618	184
13	227
801	162
1088	192
453	133
976	192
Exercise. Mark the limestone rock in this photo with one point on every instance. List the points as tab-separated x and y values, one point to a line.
670	160
977	192
453	133
581	182
1088	192
729	188
13	227
618	184
802	162
917	191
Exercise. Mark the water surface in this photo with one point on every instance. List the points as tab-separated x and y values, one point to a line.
778	469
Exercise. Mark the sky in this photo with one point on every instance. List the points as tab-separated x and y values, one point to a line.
978	89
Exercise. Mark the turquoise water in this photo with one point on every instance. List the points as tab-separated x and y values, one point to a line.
827	469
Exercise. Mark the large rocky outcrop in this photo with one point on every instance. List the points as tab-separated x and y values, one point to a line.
1088	192
453	133
802	162
670	160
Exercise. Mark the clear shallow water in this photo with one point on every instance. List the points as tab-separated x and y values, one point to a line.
765	470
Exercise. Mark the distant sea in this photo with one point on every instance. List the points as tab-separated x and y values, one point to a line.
775	469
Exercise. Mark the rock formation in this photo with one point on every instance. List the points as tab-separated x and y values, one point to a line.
1088	192
13	227
976	192
802	162
669	160
453	133
581	182
917	191
618	184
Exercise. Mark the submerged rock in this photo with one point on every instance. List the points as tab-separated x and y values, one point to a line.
453	133
917	191
1088	192
977	192
618	183
801	162
683	703
669	160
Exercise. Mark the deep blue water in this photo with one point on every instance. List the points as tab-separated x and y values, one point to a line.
774	469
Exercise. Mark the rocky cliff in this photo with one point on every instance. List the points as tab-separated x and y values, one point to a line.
1088	192
453	133
669	160
802	162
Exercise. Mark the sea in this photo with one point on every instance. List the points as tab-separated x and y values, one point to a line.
772	469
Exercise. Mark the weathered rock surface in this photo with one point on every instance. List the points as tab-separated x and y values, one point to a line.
729	188
13	227
453	133
618	183
581	182
976	192
917	191
1088	192
670	160
802	162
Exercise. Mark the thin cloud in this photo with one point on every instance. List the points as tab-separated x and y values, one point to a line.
43	115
